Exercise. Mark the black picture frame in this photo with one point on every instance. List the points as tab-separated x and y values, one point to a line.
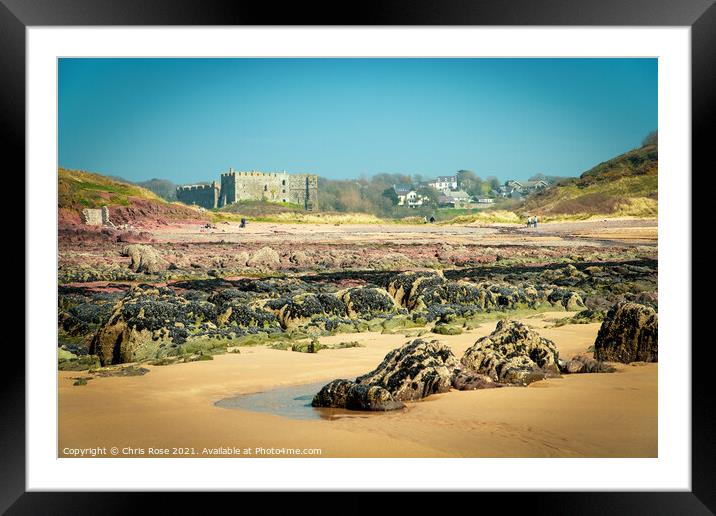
700	15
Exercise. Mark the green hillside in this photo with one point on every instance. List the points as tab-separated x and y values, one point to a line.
128	203
626	185
87	190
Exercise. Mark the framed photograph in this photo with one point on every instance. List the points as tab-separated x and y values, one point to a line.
433	250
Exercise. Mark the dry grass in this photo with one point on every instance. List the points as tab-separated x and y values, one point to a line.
487	217
304	218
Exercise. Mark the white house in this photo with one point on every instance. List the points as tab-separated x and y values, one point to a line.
412	199
407	196
444	184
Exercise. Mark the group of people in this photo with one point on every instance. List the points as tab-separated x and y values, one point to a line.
532	221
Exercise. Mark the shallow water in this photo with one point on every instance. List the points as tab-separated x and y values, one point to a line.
293	402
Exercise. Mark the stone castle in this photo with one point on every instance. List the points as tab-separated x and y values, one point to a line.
235	186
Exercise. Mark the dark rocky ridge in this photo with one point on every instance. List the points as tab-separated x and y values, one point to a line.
164	318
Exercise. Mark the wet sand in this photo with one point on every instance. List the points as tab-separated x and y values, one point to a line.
561	234
586	415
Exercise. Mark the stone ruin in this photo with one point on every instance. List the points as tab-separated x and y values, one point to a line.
96	217
301	189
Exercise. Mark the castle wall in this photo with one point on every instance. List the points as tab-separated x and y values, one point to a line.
304	190
269	186
227	194
206	196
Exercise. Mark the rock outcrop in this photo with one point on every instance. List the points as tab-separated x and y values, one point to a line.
412	372
265	258
355	396
468	381
629	333
512	354
144	258
148	323
302	308
585	364
366	302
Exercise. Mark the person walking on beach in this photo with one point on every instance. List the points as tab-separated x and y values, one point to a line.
529	221
534	221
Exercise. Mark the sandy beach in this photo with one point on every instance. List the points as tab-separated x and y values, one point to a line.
588	415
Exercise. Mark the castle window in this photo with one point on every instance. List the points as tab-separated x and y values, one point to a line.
283	183
265	188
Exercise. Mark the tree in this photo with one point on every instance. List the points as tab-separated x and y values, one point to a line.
389	193
465	179
429	194
470	182
494	182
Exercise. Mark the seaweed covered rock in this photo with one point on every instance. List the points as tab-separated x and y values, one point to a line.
418	291
407	287
513	354
355	396
414	371
583	317
333	394
245	316
510	297
567	299
411	372
229	295
629	333
585	364
139	323
144	258
371	397
150	322
300	309
84	318
470	381
365	302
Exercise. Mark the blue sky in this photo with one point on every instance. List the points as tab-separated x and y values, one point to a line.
187	120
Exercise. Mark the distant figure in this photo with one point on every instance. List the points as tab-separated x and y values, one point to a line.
432	219
534	222
425	220
243	223
529	221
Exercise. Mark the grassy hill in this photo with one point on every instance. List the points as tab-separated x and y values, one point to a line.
77	188
128	203
626	185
